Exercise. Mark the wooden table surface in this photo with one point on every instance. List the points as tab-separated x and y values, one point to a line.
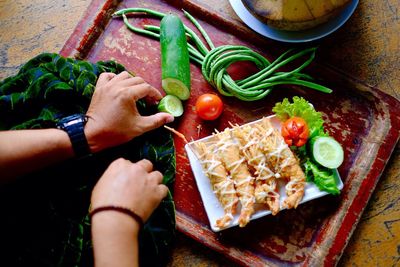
367	47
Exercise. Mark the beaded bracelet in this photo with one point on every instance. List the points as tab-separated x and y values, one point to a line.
127	211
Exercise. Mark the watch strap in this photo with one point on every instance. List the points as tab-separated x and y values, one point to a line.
74	126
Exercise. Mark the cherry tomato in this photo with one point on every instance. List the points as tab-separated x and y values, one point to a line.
295	131
209	106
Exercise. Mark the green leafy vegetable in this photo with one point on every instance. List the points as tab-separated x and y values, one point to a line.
323	178
301	108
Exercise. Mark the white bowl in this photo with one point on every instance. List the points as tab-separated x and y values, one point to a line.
313	34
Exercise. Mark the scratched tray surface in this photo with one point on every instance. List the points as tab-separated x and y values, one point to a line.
362	119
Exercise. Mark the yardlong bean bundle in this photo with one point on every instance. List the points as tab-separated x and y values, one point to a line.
214	61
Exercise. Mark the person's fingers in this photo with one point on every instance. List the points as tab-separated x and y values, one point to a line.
105	77
122	76
145	164
144	90
163	189
149	123
157	176
132	81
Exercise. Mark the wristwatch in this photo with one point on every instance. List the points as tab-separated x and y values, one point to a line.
74	125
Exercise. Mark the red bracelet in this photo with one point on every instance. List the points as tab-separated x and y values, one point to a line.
127	211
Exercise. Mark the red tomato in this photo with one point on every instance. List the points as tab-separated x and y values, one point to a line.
209	106
295	131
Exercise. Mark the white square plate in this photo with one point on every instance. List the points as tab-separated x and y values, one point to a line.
212	206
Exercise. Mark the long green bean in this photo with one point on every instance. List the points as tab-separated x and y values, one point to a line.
214	61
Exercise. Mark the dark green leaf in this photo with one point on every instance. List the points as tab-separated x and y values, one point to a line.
55	88
37	88
89	90
84	79
76	70
60	63
50	66
84	65
65	73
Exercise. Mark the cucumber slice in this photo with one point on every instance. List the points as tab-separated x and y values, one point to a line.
172	105
175	66
327	152
175	87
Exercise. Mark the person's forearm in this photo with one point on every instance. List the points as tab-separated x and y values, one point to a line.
115	239
24	151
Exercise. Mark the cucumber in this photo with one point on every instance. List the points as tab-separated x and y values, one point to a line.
175	67
327	152
172	105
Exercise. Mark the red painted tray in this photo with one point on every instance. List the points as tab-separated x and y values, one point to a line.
364	119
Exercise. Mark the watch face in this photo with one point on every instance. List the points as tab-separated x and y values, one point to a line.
74	125
73	119
72	122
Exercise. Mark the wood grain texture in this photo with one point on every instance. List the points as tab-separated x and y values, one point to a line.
367	47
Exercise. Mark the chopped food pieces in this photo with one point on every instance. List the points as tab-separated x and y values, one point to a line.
222	184
234	162
179	134
251	159
265	185
285	164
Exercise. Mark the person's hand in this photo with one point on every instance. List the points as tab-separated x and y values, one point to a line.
113	115
131	185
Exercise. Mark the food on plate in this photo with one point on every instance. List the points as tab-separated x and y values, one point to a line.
327	152
171	104
255	157
249	139
321	154
295	131
222	185
209	106
295	15
229	152
284	164
256	163
175	64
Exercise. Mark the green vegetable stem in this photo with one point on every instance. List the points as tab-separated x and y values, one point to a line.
214	62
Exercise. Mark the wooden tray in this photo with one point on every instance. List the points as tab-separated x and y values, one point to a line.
364	119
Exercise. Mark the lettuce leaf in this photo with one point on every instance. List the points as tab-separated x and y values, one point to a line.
323	178
301	108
